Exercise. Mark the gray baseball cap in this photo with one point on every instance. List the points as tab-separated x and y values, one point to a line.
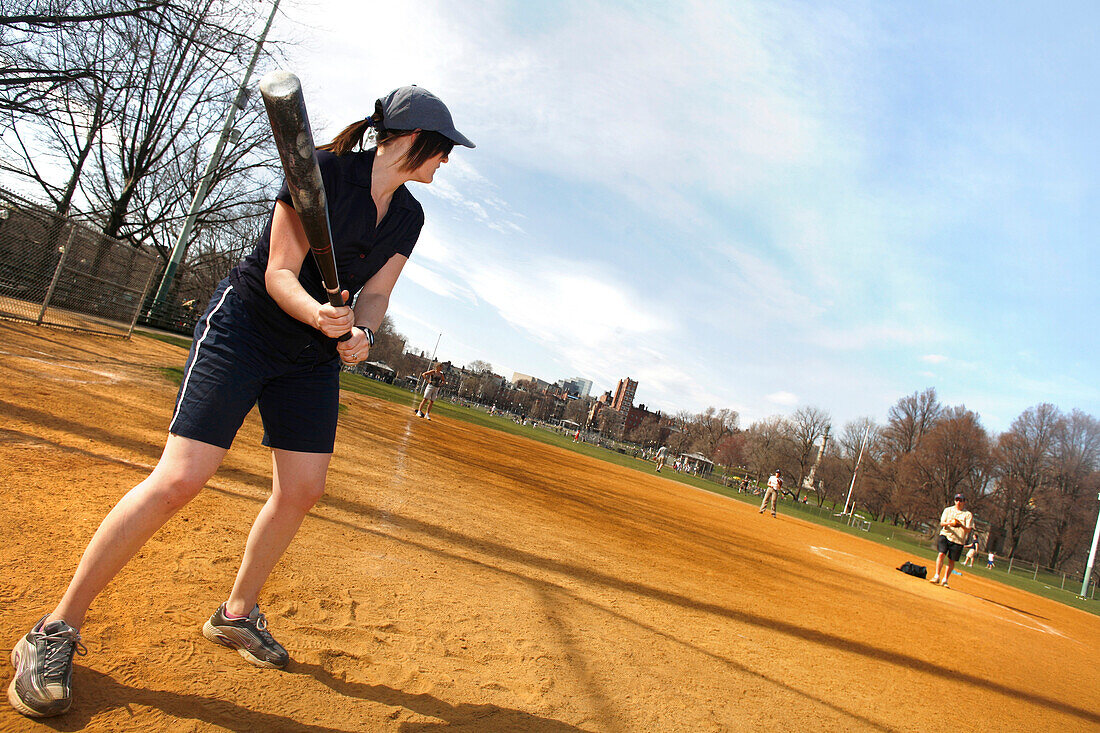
415	108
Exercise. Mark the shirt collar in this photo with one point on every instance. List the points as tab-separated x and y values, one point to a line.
359	173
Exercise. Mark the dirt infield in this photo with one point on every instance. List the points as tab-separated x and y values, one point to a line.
460	578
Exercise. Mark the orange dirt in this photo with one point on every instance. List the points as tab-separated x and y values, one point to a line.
455	577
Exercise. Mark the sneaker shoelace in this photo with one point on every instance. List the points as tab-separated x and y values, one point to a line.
261	629
60	648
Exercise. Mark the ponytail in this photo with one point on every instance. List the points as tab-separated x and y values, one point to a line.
354	135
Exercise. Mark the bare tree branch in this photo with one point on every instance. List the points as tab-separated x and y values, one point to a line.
55	20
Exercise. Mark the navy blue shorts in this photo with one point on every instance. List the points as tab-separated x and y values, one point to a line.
234	365
952	549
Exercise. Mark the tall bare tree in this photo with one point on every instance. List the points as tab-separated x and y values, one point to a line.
1075	463
680	437
480	367
30	78
709	428
647	432
767	443
844	453
389	344
832	476
953	457
731	451
908	421
1024	460
577	410
808	425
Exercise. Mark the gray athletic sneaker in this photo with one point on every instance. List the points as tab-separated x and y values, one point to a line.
43	661
249	636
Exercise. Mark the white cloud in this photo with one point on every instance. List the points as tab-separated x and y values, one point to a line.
568	303
437	283
786	399
933	358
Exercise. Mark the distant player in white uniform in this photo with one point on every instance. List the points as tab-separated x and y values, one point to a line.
775	485
955	525
662	455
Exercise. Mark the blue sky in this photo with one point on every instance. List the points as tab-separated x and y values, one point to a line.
757	206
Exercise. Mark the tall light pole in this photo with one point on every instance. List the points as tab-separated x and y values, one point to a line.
227	134
436	347
1092	555
862	445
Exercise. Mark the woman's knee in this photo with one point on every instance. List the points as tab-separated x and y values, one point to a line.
174	487
301	495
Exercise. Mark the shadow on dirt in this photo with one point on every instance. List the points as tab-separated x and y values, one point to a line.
96	692
771	625
463	716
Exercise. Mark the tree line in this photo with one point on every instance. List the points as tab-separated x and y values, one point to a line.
1033	488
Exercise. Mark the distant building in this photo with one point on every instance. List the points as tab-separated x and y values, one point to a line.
538	384
584	386
635	416
576	387
624	395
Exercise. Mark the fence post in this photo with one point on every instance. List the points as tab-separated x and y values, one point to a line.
1035	575
1063	581
56	274
1010	559
141	300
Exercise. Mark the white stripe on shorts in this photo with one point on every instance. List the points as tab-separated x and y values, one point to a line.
187	377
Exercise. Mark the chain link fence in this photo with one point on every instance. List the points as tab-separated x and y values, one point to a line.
57	272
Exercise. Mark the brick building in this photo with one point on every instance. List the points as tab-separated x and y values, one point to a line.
624	395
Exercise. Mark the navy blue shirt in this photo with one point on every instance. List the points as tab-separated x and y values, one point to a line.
361	249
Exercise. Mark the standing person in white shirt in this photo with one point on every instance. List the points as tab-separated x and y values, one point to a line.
662	456
955	524
775	484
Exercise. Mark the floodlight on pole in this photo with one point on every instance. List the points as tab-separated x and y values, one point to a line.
862	445
1092	555
436	347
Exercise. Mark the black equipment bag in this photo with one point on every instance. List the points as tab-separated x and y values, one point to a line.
918	571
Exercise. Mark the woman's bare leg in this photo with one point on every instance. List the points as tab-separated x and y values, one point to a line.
183	469
298	482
